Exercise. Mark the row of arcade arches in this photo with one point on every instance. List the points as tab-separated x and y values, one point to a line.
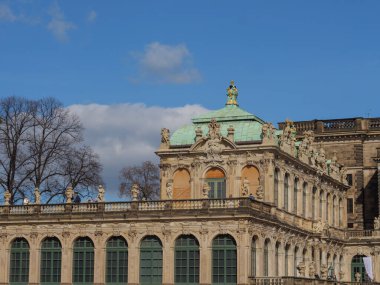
216	179
186	261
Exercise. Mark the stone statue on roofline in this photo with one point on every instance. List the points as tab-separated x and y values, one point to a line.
232	94
135	191
205	190
101	192
288	138
165	138
268	134
37	196
69	194
169	190
7	198
245	187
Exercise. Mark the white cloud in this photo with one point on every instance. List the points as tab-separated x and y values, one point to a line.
166	64
128	134
58	25
6	14
91	17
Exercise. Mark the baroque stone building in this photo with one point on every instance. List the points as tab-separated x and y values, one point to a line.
241	203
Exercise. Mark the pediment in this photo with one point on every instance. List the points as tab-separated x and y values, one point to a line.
205	144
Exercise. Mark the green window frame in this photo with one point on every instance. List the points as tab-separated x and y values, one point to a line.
116	261
357	265
51	260
19	262
217	188
83	261
224	260
151	261
186	267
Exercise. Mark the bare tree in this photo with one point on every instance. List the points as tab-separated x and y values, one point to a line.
146	176
41	147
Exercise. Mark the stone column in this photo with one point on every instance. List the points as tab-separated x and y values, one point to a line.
243	258
167	261
260	258
67	262
290	193
268	178
99	261
34	263
290	261
4	261
281	190
281	260
133	262
205	250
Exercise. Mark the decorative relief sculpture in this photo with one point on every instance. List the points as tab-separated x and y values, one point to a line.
135	191
205	190
376	223
169	190
312	269
245	187
213	144
37	196
69	194
268	134
321	160
318	226
288	138
101	192
324	271
165	138
260	191
301	268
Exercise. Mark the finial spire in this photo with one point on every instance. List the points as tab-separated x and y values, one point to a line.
232	93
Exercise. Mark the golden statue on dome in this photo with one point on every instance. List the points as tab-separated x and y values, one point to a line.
232	93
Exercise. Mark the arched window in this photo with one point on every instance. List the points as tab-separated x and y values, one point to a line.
304	197
295	196
252	174
266	257
254	256
186	260
313	203
295	260
83	265
181	184
327	208
277	259
286	192
151	260
321	197
51	259
19	263
287	259
116	261
340	218
217	182
224	260
334	211
276	174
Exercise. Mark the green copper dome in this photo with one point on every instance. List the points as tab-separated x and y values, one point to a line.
247	126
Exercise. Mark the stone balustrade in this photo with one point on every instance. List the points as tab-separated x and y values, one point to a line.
337	125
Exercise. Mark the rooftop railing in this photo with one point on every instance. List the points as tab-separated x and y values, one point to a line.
336	125
287	280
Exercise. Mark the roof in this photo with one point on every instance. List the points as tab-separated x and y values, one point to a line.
247	126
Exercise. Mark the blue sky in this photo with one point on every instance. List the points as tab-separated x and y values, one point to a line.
290	59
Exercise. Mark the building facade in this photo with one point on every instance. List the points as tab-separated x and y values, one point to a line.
241	203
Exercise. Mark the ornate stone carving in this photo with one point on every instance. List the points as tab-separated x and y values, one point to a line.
324	271
169	189
198	134
244	188
318	226
205	189
165	138
301	268
214	130
288	138
268	134
312	269
376	223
